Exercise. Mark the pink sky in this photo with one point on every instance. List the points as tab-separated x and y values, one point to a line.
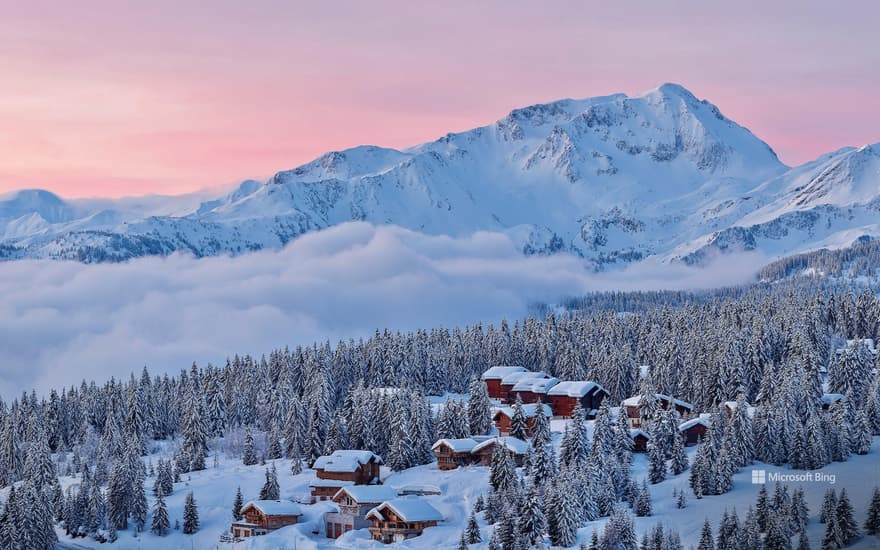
117	98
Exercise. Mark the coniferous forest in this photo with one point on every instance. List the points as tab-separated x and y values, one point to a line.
782	354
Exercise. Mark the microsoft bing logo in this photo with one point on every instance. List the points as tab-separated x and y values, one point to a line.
759	477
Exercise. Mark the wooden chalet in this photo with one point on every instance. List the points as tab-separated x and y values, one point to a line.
640	441
503	417
401	518
694	430
493	376
263	516
533	390
565	396
516	447
344	468
452	453
353	503
634	414
512	379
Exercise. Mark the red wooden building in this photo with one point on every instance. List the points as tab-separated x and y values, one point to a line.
640	441
533	390
262	516
565	396
343	468
634	414
503	417
493	376
516	447
354	502
694	430
402	518
452	453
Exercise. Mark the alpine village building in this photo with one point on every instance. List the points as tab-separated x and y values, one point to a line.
344	468
353	503
263	516
401	518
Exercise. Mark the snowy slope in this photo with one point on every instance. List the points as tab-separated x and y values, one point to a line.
613	179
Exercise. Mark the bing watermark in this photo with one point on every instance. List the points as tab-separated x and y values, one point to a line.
759	477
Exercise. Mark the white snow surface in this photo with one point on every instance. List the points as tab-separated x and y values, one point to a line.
214	491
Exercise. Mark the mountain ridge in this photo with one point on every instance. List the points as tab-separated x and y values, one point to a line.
613	179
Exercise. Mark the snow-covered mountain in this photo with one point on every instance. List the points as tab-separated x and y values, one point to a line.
614	179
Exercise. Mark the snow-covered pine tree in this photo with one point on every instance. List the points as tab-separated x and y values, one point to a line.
619	532
472	531
657	463
803	541
777	537
271	490
237	505
518	425
479	408
872	522
846	523
190	515
707	541
643	501
249	452
531	515
679	460
829	506
161	523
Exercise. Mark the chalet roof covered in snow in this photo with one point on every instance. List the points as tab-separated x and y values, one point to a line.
514	377
409	509
634	401
464	445
367	493
535	385
345	460
274	507
635	433
703	420
513	444
529	410
731	405
574	388
498	372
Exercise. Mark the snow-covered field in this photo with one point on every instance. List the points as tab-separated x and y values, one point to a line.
215	487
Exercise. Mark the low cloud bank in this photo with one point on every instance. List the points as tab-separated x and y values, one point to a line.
61	322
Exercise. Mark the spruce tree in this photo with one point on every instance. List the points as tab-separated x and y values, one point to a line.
249	453
707	541
479	408
643	501
161	523
846	523
473	530
271	490
190	515
872	523
518	425
237	504
657	463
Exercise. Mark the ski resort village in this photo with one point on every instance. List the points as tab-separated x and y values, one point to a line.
721	425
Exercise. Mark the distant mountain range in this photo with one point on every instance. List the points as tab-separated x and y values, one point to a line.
613	179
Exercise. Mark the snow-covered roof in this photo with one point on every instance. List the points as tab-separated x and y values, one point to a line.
514	377
750	410
535	385
574	388
371	494
703	420
634	433
344	460
634	401
513	444
330	483
464	445
274	507
409	509
529	410
418	489
498	372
